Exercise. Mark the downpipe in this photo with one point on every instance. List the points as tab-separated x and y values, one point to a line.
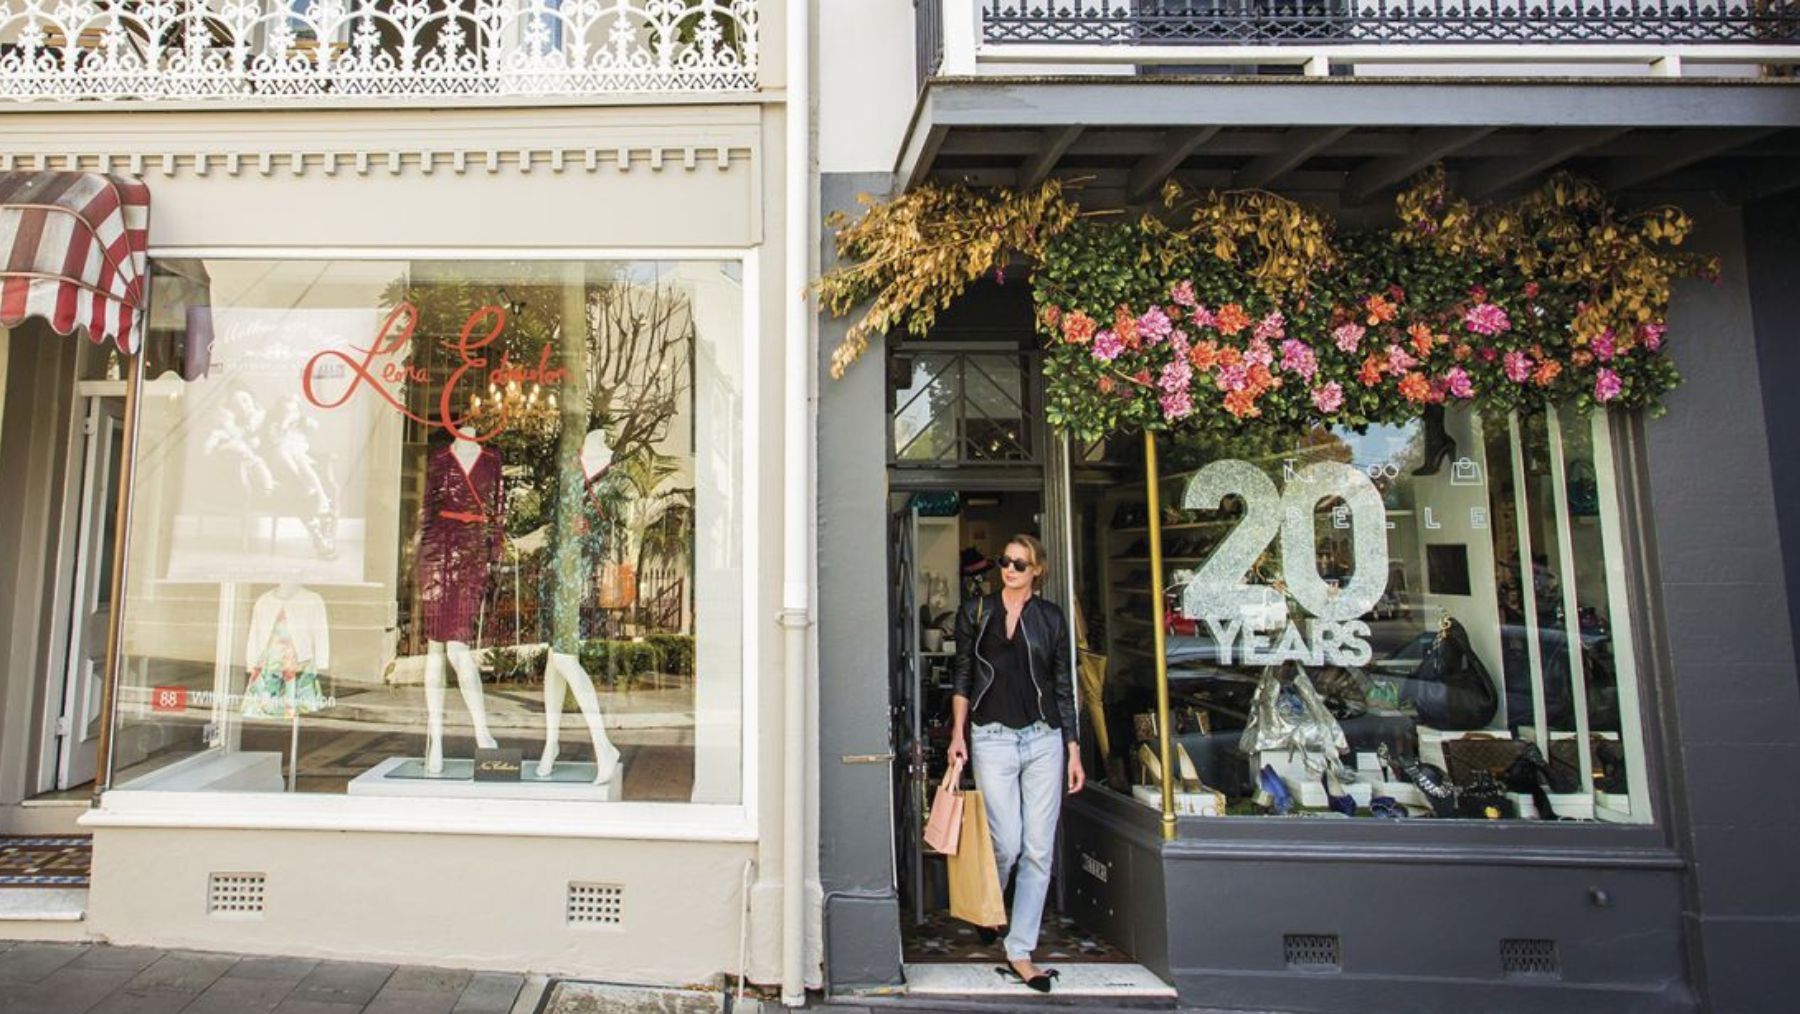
796	585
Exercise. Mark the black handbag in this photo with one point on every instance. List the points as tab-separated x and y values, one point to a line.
1451	688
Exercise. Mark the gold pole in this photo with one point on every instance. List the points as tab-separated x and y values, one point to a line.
1153	492
110	663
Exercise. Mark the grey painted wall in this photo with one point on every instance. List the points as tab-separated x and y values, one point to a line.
862	913
1772	248
1735	711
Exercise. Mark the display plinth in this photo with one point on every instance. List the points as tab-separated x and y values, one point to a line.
406	776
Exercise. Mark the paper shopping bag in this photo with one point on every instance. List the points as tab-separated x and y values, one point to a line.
943	829
974	879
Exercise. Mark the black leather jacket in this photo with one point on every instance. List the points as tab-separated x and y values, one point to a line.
1047	643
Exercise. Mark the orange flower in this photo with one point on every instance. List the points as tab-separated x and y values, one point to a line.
1581	357
1203	355
1262	380
1051	315
1242	404
1380	310
1414	387
1231	356
1231	319
1372	369
1463	351
1125	326
1106	385
1546	372
1078	328
1421	339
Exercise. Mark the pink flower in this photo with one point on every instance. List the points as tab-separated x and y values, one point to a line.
1259	353
1518	367
1297	357
1604	346
1348	337
1200	315
1271	328
1489	354
1183	294
1107	345
1399	360
1176	405
1607	386
1486	318
1176	376
1233	378
1328	397
1154	325
1457	383
1652	335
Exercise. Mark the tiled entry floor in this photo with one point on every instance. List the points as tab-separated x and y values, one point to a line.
46	860
69	978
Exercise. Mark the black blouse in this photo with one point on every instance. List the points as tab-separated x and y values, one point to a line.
1012	700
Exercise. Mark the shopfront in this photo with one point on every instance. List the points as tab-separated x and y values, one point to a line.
1394	708
442	463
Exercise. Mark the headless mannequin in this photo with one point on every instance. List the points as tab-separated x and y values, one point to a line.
458	654
561	667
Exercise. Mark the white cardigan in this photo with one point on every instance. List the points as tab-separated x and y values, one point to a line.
306	622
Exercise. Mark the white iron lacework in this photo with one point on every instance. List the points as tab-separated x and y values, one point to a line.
74	50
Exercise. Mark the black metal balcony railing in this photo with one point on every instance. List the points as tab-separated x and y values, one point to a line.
928	37
1281	22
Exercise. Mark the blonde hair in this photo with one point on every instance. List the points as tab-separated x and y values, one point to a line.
1040	557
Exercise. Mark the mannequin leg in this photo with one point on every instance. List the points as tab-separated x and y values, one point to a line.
606	756
553	706
468	680
434	706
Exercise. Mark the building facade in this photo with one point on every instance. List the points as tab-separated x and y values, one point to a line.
1623	582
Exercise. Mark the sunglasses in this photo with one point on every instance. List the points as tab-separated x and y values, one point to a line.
1017	565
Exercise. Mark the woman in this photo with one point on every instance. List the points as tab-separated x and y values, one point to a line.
1014	685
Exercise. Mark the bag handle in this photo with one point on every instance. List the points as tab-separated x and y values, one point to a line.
952	782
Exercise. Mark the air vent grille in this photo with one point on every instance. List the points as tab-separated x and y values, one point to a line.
1535	959
596	904
1313	952
235	895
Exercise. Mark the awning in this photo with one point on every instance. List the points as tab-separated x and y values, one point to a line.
72	252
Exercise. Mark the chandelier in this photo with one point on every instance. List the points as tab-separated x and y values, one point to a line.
526	410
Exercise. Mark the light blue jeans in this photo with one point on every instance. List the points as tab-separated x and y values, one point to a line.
1020	775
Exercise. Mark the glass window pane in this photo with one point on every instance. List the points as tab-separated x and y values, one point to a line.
438	528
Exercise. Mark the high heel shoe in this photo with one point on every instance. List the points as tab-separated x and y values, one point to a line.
1150	765
1439	444
1274	794
1335	796
1039	982
1190	774
1428	778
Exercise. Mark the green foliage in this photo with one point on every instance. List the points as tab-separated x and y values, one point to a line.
514	665
620	661
676	650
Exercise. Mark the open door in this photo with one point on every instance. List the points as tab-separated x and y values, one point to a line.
90	613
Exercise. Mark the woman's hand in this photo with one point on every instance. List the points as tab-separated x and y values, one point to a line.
959	749
1077	776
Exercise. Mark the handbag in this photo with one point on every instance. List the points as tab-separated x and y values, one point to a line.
943	829
974	876
1452	688
1608	760
1478	753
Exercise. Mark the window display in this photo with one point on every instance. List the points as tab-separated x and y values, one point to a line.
1411	621
519	477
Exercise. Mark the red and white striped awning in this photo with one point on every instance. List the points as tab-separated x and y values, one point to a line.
72	252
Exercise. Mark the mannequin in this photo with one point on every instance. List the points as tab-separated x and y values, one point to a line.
563	665
460	537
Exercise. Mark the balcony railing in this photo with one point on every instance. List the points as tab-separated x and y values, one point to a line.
980	36
428	50
1281	22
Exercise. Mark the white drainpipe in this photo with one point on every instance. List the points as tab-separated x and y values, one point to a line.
796	586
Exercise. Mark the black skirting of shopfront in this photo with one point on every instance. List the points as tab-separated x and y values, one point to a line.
1692	911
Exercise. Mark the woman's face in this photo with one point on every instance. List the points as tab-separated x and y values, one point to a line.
1010	574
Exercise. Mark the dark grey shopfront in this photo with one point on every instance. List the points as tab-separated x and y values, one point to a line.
1698	909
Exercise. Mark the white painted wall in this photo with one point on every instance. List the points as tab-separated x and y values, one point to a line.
866	89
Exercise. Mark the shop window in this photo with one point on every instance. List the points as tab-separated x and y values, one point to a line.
960	407
1419	621
437	528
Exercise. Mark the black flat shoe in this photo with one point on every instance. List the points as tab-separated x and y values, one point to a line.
1039	982
988	934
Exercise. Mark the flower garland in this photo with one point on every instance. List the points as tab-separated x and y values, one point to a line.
1252	313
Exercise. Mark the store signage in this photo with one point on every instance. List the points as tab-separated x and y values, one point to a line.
1250	623
382	366
168	699
503	764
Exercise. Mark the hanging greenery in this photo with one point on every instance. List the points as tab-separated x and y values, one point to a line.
1245	306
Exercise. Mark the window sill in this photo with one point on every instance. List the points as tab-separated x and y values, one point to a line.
125	808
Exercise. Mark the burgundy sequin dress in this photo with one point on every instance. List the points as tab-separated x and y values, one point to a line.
459	539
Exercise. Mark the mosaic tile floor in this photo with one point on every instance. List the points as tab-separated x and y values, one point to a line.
46	861
943	939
